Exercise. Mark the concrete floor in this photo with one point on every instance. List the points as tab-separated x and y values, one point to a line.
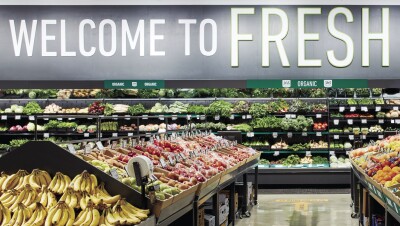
301	210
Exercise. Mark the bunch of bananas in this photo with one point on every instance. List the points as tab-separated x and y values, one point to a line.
21	215
14	180
85	182
71	197
38	216
89	216
60	214
47	198
59	183
9	198
27	196
5	214
39	178
123	213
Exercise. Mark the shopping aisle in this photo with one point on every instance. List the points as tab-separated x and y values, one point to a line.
301	210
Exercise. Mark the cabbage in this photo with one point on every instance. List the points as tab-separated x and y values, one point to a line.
13	107
347	145
32	95
31	126
333	159
8	110
19	109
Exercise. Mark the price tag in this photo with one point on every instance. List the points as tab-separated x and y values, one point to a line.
46	119
145	117
216	117
364	121
171	160
18	117
308	153
88	149
341	109
350	121
293	116
276	153
363	137
71	148
288	115
318	116
124	143
248	117
392	121
59	119
274	134
202	117
130	134
174	117
353	108
99	145
347	152
336	121
381	121
115	117
397	121
290	134
114	174
243	117
161	117
31	118
86	135
380	136
331	152
365	109
148	134
114	144
114	134
88	118
378	108
4	117
336	137
188	117
304	134
318	134
127	117
70	119
163	164
46	135
351	137
250	134
396	108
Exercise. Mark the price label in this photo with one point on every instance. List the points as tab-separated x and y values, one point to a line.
31	118
161	117
243	117
59	119
114	134
308	153
381	121
202	117
114	144
115	117
127	117
4	117
353	108
88	149
70	119
397	121
363	137
276	153
86	135
350	121
250	134
130	134
46	135
248	116
88	118
378	108
287	115
365	109
336	137
336	121
351	137
171	160
274	134
188	117
363	121
396	108
163	164
392	121
304	134
216	117
99	145
347	152
319	134
318	116
114	174
331	152
123	143
71	148
145	117
18	117
174	117
341	109
46	119
148	134
290	134
380	136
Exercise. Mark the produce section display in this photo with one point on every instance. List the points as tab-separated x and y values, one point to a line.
38	199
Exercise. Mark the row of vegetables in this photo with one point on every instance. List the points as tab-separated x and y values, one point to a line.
308	161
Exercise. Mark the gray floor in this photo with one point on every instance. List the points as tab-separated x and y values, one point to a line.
301	210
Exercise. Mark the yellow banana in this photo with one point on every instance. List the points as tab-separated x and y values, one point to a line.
33	182
51	200
89	218
82	185
102	220
19	199
77	183
64	217
9	182
81	217
53	182
57	216
44	197
94	183
112	199
46	177
71	216
95	217
74	201
67	180
131	215
50	215
20	217
57	184
5	214
102	190
61	189
42	215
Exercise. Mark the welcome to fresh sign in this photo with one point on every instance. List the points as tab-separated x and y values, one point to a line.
198	42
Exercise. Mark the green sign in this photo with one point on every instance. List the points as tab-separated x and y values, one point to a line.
308	83
134	84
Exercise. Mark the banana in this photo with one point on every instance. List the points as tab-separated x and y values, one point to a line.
5	215
131	215
74	201
67	180
46	177
130	207
102	190
95	217
88	186
44	197
51	200
57	184
10	182
20	217
89	218
34	180
64	217
32	219
49	216
71	216
42	215
102	218
84	200
19	199
112	199
63	184
94	183
77	182
57	215
82	186
81	217
3	177
53	182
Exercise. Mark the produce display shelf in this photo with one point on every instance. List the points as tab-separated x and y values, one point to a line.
286	132
294	152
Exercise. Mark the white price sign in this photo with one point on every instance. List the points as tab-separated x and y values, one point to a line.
363	121
130	134
127	117
59	119
174	117
71	148
318	116
217	117
202	117
114	134
4	117
353	108
31	118
115	117
276	153
380	136
46	135
161	117
351	137
293	116
250	134
233	117
331	152
363	137
350	121
274	134
18	117
363	108
243	117
99	145
304	134
308	153
381	121
290	134
86	135
46	119
341	109
288	116
248	116
397	121
396	108
188	117
336	137
319	134
392	121
70	119
336	121
144	117
378	108
88	149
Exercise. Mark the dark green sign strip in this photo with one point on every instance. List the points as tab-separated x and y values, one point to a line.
308	83
134	84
